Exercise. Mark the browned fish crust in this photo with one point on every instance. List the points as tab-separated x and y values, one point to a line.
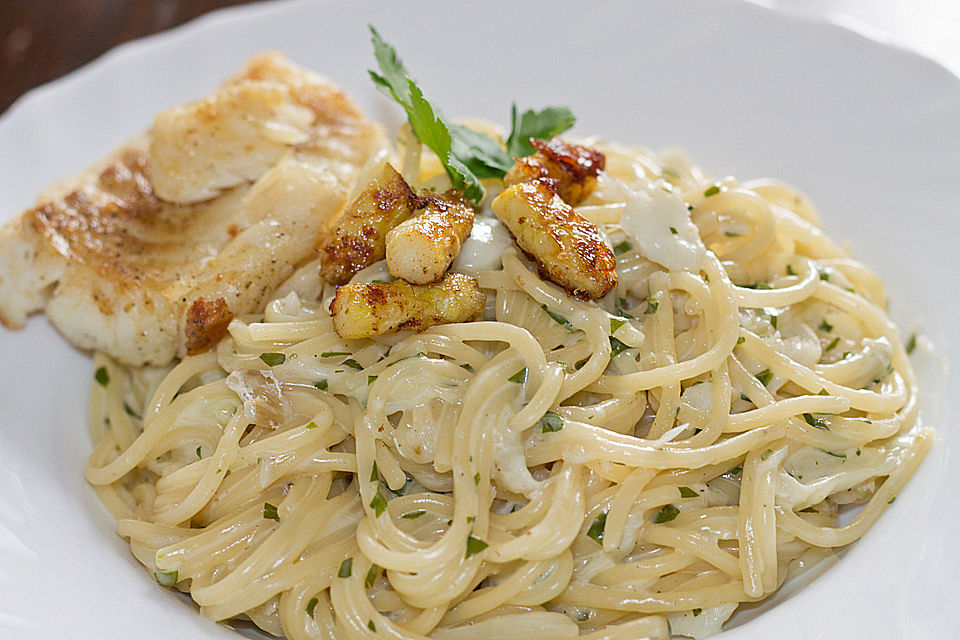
365	309
206	324
360	237
573	167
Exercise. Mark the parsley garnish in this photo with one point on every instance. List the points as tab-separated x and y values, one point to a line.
622	247
616	323
167	578
790	271
559	319
322	385
346	568
617	347
697	612
741	340
544	125
371	626
519	377
834	453
674	231
270	512
652	304
826	326
273	359
814	421
711	191
312	605
379	503
833	343
911	344
666	514
198	453
765	377
371	576
476	478
597	526
551	422
312	425
475	546
374	477
331	354
371	379
413	515
353	364
101	376
687	492
466	155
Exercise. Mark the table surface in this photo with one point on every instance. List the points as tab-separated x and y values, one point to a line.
43	39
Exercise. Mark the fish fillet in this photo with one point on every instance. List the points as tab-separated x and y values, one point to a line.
149	254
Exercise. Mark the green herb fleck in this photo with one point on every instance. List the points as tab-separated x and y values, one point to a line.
911	344
379	503
353	364
475	546
790	271
814	421
766	454
370	379
697	612
346	568
765	377
270	512
687	492
101	376
559	319
616	323
622	247
332	354
374	476
413	515
826	326
519	377
312	605
476	478
322	385
312	425
597	526
890	501
198	453
834	453
617	347
167	578
666	514
712	191
652	304
833	343
371	576
551	422
273	359
741	340
674	231
130	412
371	626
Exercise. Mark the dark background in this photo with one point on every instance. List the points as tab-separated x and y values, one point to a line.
43	39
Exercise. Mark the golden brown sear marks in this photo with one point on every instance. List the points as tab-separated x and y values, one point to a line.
362	310
421	249
206	323
572	166
567	247
360	237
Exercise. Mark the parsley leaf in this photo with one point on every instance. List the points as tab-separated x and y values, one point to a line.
475	546
597	526
544	125
551	421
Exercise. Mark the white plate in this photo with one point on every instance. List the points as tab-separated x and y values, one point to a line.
871	132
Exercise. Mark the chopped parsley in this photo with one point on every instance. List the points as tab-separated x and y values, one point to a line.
270	512
790	270
834	453
476	478
616	323
559	319
198	453
826	326
833	343
687	492
667	513
617	347
697	612
766	454
712	191
519	377
814	421
765	377
371	626
379	503
130	412
312	425
551	422
597	526
167	578
741	340
371	576
312	605
273	359
101	376
475	546
622	247
332	354
371	379
413	515
346	568
374	475
652	304
674	231
321	385
911	344
353	364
